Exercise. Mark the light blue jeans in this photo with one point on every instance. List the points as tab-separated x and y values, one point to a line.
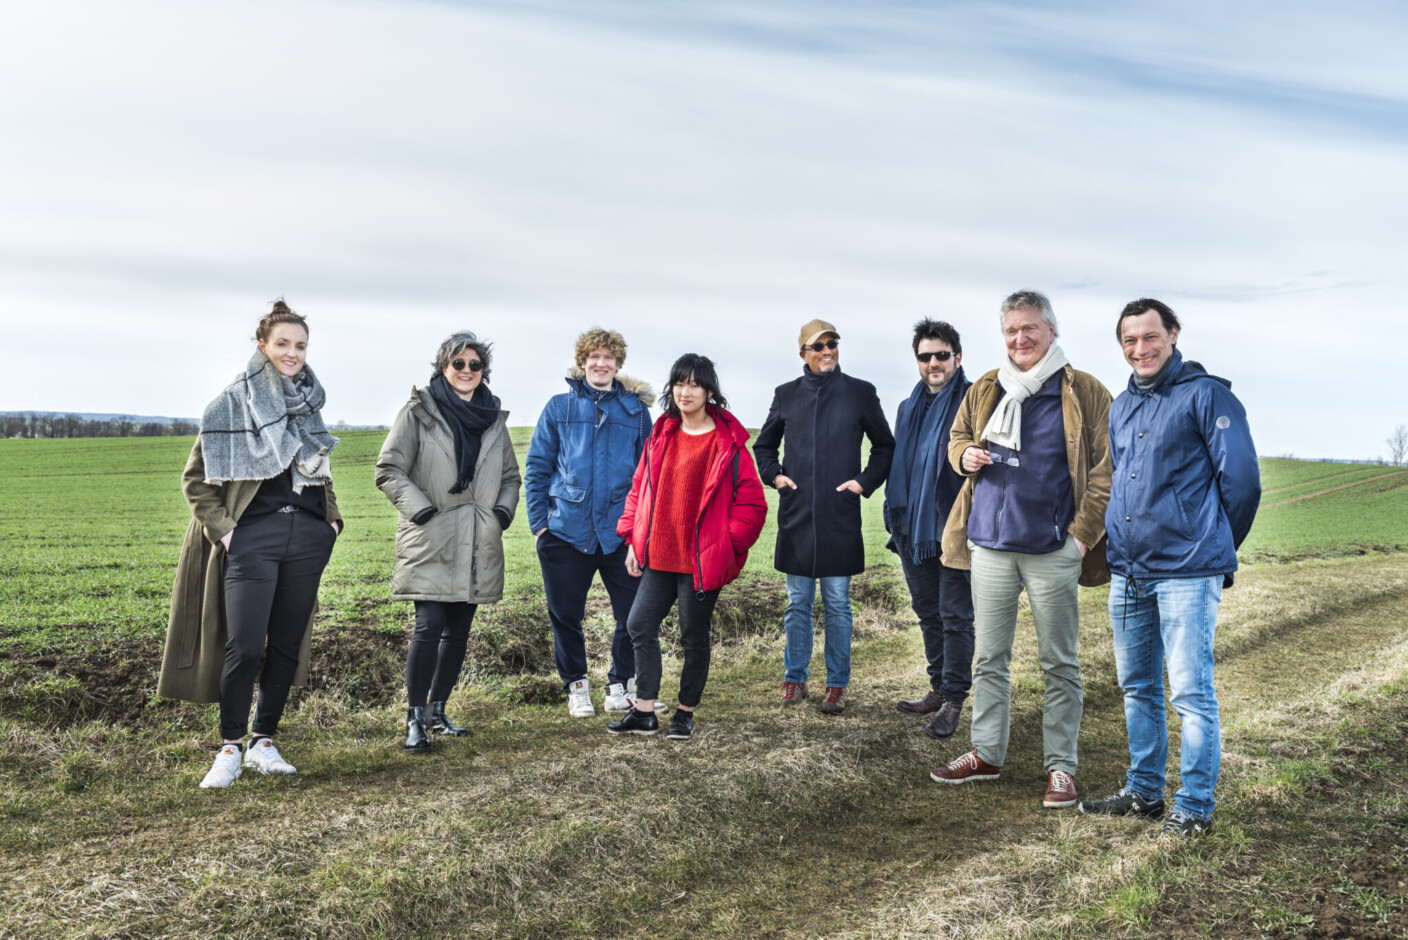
1169	620
836	603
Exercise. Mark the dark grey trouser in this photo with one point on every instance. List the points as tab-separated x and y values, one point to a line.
436	654
272	572
659	591
943	602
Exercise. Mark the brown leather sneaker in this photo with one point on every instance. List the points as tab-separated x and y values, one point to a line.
922	706
945	722
966	769
835	701
1060	790
793	692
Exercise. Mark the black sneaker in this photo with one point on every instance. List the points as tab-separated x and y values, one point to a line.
1180	823
635	723
1124	803
681	725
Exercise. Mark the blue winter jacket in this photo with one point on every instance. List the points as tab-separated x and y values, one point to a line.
583	453
1186	483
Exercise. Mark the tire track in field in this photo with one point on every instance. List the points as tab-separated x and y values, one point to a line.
1333	489
1313	480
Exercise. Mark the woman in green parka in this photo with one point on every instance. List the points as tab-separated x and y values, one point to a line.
264	521
449	468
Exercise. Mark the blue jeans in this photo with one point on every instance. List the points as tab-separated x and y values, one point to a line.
1169	620
836	602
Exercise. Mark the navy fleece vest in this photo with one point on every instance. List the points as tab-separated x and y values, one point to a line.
1027	508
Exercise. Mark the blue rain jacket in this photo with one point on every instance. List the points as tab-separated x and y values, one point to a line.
581	459
1186	482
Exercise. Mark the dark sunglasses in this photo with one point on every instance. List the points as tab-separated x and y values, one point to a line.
474	365
819	346
942	355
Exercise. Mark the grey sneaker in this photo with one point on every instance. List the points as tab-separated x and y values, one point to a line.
1124	803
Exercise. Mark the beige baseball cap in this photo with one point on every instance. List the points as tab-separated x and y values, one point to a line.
814	330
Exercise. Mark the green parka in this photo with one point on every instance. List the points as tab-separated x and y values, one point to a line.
458	555
196	629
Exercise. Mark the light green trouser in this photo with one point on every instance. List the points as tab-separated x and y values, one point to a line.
1050	580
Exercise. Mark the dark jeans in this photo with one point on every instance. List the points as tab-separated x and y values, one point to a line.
272	572
567	576
659	591
436	654
942	600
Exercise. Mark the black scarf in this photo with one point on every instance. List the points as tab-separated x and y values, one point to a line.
468	420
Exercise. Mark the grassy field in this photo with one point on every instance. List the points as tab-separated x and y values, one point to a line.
769	823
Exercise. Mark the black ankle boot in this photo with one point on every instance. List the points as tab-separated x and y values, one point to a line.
436	719
417	741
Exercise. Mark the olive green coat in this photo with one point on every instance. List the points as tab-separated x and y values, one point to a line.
196	630
1085	413
458	555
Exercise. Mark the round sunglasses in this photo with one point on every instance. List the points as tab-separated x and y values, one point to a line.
473	365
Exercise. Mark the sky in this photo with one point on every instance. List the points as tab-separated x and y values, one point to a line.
703	178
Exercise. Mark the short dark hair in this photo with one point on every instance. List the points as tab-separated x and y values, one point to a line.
1137	308
937	329
686	367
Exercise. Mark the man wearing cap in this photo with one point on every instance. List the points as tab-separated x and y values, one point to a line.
820	418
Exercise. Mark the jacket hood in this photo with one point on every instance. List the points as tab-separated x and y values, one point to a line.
636	387
724	420
1178	372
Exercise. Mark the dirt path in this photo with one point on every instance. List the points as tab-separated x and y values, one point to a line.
770	823
1327	477
1333	489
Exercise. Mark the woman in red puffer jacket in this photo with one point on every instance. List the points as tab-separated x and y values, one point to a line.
695	508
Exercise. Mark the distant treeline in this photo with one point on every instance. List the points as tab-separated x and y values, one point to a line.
73	425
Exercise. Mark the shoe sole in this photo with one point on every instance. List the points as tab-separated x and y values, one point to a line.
217	786
416	750
833	710
642	733
1053	804
936	736
276	773
972	778
680	737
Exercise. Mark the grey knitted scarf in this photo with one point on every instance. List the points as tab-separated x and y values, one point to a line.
262	422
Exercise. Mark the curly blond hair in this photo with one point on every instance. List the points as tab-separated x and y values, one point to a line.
595	339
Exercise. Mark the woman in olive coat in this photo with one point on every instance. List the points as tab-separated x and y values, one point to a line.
449	468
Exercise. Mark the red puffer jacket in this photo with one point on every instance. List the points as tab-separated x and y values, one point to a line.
731	511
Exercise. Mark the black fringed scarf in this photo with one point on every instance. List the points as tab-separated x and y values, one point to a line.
468	420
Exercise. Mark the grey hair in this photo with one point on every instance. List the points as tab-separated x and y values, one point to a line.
1029	298
456	343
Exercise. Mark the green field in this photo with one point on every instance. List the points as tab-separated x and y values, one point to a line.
769	823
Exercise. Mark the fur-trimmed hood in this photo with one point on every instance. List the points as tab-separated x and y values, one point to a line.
636	387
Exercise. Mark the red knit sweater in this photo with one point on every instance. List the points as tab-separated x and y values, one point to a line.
682	478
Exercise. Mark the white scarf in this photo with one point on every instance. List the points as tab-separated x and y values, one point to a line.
1004	428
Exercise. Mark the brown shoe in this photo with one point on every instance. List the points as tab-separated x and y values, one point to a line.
835	701
1060	790
793	692
966	769
945	723
922	706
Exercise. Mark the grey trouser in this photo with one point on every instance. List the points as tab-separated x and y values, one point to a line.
1050	580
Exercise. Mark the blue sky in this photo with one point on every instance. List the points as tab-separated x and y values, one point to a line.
703	178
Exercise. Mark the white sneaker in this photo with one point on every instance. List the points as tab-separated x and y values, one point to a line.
631	698
617	699
579	700
226	770
266	759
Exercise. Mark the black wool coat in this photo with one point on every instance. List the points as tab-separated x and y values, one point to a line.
821	419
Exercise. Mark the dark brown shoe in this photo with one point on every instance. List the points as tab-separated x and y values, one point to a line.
945	723
922	706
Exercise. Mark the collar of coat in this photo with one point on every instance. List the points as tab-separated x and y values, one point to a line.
1177	372
725	425
622	383
428	413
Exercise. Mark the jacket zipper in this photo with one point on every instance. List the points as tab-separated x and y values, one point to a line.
698	522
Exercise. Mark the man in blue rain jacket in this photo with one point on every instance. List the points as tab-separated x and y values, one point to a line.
580	462
1185	491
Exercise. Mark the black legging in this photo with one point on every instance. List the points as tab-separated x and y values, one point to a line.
271	580
436	653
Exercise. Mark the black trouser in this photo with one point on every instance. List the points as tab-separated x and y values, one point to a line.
659	591
943	601
436	653
567	576
272	570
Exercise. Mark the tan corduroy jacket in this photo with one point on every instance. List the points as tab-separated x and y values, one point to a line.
196	630
1085	409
